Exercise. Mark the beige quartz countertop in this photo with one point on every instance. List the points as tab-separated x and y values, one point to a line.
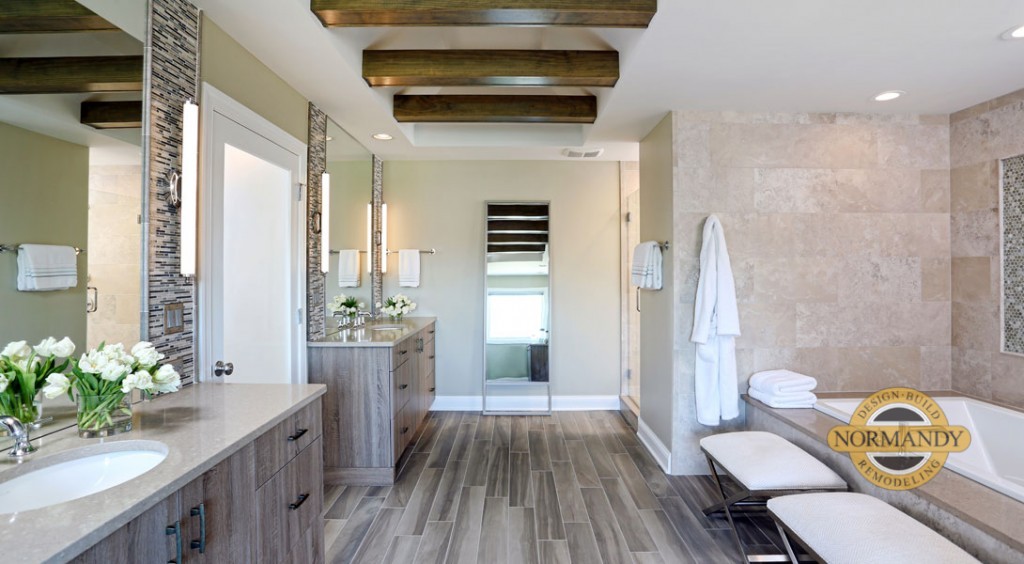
375	334
201	425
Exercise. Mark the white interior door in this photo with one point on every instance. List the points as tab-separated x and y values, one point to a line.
254	256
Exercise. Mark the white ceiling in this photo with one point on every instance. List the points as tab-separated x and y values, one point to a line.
740	55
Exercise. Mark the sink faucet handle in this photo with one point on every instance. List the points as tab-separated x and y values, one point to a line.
19	432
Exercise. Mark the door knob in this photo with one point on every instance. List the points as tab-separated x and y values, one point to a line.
223	369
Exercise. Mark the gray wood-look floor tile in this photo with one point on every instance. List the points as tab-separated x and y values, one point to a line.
434	543
540	459
671	547
690	530
610	542
378	491
520	441
345	503
650	471
466	534
440	452
600	456
498	471
570	501
332	528
627	516
476	475
635	483
648	558
378	538
401	492
520	489
418	509
344	548
548	515
586	474
522	536
463	441
402	550
485	428
494	533
556	552
446	502
502	431
570	431
556	442
582	543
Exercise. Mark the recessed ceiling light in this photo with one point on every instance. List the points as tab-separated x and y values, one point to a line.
382	137
889	95
1015	33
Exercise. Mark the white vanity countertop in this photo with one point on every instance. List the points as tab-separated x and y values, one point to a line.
201	425
379	333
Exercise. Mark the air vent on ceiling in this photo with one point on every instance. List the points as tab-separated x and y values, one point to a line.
583	153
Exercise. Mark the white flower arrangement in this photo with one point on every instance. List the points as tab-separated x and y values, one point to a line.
23	369
397	306
345	306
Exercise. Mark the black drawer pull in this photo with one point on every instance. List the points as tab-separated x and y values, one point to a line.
431	331
402	352
175	530
405	430
403	386
431	357
297	435
199	511
432	389
298	502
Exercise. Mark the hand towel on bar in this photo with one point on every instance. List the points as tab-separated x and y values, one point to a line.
409	268
348	269
782	382
800	400
46	268
645	271
716	323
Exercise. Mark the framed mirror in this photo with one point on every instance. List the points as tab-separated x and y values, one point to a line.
350	166
71	161
517	328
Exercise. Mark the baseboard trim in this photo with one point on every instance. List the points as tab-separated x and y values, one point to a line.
526	403
654	446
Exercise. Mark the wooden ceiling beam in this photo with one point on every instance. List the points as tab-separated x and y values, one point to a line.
472	67
495	109
68	75
49	16
394	13
112	115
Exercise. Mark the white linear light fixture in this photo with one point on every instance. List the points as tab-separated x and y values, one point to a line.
383	238
369	238
189	186
325	223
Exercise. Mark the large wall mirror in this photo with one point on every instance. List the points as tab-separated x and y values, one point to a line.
350	166
71	112
518	308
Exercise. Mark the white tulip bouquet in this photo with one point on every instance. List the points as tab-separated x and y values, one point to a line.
345	306
396	306
24	369
104	376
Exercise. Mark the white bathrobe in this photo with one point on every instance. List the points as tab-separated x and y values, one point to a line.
716	324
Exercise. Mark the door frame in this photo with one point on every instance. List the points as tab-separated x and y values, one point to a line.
214	101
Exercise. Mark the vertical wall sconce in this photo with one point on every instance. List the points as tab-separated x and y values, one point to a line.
325	223
383	238
369	238
189	185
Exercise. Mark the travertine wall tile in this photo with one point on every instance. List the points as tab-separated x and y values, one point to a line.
917	146
936	368
935	190
975	233
794	146
869	369
935	279
767	325
977	326
972	280
974	187
880	279
796	190
796	279
873	324
879	190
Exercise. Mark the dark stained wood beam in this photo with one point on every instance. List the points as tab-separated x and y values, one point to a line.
517	210
469	67
391	13
495	109
112	115
65	75
540	226
49	16
515	248
515	238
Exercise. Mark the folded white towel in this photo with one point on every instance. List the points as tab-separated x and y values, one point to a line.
46	268
348	269
799	400
782	382
409	268
645	271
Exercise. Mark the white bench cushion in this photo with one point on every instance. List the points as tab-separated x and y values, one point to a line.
765	461
856	528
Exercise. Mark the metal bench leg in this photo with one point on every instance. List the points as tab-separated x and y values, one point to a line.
787	544
720	505
725	506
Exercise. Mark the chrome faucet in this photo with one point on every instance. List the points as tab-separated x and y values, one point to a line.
361	318
19	432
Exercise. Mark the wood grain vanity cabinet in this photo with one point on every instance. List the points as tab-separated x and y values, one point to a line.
377	399
261	504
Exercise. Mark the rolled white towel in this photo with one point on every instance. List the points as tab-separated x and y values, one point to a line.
799	400
782	382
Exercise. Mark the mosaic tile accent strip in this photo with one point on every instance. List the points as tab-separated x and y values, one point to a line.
315	167
1013	254
378	251
173	56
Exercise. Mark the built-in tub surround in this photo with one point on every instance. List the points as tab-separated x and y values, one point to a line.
984	522
200	426
979	137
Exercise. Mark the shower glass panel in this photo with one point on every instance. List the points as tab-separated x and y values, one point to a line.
518	308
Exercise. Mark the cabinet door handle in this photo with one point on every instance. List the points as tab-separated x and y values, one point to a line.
298	502
403	386
405	430
402	352
431	357
297	435
431	389
431	331
199	511
175	530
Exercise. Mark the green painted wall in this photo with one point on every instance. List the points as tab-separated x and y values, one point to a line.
44	197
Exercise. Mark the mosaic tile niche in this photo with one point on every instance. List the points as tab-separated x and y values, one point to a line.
1013	254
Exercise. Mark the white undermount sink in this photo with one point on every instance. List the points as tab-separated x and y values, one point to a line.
76	473
386	327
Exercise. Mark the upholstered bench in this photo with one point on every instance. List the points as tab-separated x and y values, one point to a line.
855	528
764	465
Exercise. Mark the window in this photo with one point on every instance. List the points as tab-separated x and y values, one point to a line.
517	315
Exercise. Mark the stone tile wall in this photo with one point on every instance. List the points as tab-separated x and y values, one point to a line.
979	138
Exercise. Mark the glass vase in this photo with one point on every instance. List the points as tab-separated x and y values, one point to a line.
29	413
102	416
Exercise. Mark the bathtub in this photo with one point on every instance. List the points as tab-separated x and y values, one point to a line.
996	455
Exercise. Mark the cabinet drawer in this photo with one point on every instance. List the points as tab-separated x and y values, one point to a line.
429	331
403	386
289	504
403	426
282	443
402	352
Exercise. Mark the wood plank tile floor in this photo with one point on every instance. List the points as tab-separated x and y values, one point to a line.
575	487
